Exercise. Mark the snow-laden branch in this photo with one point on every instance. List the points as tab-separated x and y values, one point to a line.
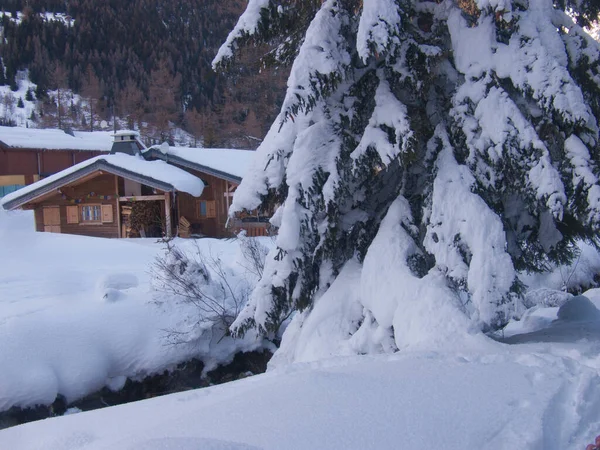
246	25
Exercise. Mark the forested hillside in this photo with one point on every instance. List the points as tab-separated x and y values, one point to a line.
146	61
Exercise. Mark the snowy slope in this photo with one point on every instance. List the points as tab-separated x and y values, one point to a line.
492	399
9	101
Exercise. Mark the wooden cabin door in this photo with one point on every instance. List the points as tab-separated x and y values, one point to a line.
52	219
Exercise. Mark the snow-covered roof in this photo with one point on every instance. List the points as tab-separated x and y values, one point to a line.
126	133
54	139
225	163
156	174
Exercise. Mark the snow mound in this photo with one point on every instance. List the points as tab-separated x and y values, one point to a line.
594	296
110	287
578	319
534	319
118	281
578	309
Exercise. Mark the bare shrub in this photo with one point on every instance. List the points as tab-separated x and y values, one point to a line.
255	254
203	281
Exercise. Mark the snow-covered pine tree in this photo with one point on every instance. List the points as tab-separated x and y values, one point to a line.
425	153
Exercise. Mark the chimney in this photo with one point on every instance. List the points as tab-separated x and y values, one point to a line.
128	142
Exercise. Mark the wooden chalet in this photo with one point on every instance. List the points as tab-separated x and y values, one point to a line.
28	155
134	191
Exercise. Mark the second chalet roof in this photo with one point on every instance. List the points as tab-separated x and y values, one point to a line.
225	163
156	174
53	139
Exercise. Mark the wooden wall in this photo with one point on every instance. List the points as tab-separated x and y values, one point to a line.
54	161
80	156
100	185
21	162
25	161
214	190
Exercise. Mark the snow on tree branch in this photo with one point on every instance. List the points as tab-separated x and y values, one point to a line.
321	61
583	174
378	27
389	114
467	238
247	25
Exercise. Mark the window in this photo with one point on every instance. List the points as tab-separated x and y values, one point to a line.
206	209
91	213
201	208
10	183
5	190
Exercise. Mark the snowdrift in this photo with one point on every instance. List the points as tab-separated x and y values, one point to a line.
78	314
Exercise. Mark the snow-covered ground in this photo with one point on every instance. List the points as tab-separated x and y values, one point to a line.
76	314
79	313
492	397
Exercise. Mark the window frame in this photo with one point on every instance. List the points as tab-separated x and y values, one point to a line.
93	207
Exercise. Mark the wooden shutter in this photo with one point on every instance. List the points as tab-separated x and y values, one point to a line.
72	214
107	214
51	219
211	209
51	215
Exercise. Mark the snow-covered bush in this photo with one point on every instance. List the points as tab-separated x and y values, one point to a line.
575	277
254	254
547	298
202	280
440	147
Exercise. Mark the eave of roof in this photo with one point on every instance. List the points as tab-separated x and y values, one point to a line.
153	152
100	165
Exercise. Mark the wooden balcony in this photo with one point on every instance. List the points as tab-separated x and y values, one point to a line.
254	226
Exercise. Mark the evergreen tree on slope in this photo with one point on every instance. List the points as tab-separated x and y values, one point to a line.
425	153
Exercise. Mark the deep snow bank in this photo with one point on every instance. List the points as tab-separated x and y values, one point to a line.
576	320
492	399
16	221
78	314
